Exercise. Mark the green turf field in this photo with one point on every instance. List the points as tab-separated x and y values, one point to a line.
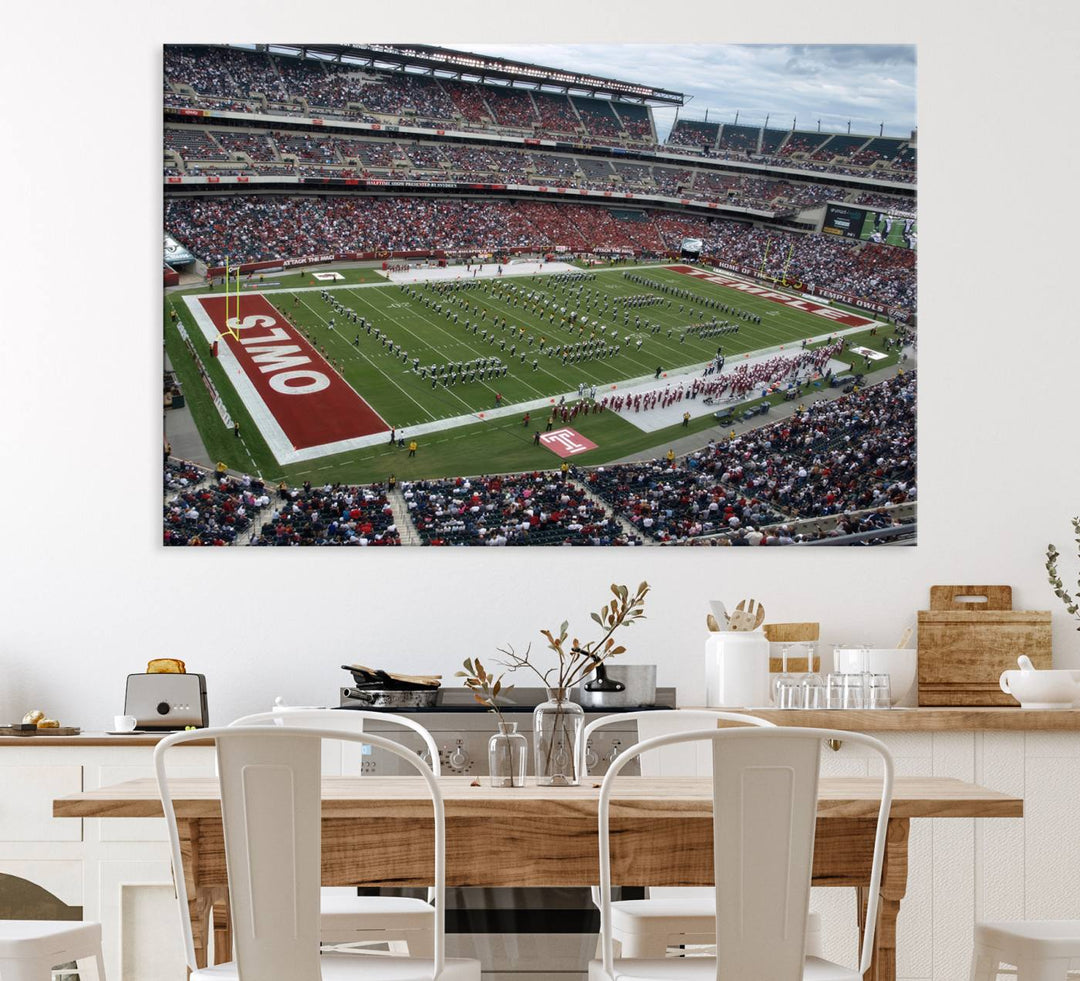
411	320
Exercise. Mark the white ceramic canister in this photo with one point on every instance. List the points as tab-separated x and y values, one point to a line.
737	669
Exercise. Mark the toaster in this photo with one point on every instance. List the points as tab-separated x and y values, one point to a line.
164	702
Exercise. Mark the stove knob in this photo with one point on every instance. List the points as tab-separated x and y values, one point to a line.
591	757
458	758
163	708
614	752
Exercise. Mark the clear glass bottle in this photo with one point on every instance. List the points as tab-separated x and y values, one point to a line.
508	756
557	725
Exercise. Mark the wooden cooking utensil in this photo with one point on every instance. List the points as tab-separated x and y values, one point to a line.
747	617
711	623
904	638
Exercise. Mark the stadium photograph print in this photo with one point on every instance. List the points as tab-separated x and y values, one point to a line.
540	294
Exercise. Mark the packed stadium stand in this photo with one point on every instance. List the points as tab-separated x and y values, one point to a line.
215	514
842	467
351	87
521	509
332	515
252	228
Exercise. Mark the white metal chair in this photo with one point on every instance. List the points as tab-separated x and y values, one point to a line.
765	789
1041	950
30	949
346	917
673	916
271	810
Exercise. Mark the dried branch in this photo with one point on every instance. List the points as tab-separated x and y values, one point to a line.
580	659
486	688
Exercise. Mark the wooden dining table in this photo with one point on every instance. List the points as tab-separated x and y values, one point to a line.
377	832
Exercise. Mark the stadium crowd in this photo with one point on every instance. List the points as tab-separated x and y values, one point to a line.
851	459
258	81
213	515
851	454
331	515
523	509
261	82
211	151
253	228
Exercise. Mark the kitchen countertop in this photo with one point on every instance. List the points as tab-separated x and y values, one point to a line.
854	720
923	719
86	738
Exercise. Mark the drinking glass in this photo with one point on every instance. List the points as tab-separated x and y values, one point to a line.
806	649
853	691
813	691
785	676
788	692
879	694
834	690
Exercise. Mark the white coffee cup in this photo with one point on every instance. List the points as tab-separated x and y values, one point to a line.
124	723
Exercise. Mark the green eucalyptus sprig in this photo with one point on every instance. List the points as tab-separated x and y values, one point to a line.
578	660
1072	602
486	688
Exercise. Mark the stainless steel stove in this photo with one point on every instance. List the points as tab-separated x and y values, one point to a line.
461	728
527	934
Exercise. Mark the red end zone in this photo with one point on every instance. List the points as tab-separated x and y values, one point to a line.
796	302
310	401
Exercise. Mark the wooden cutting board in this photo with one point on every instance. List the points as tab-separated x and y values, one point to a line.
793	633
968	637
60	731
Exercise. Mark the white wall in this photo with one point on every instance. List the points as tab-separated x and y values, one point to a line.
88	594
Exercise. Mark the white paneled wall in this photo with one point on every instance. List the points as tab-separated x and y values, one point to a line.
964	869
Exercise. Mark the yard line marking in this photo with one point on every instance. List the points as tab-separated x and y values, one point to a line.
441	329
372	363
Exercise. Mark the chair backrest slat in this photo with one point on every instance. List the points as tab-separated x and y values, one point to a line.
765	792
347	720
271	808
271	812
681	760
765	812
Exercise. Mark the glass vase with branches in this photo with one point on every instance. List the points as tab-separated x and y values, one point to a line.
558	722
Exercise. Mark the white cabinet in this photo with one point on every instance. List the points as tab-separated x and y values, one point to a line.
26	803
961	870
117	870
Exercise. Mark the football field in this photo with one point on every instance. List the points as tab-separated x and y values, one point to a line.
318	373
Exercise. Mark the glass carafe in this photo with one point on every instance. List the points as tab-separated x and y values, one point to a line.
557	725
508	755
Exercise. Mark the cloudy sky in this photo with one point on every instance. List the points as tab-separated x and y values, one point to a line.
868	84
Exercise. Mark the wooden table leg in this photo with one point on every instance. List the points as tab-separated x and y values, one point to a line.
222	922
208	904
199	914
893	889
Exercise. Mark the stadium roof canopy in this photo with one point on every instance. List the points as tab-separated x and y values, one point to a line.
425	59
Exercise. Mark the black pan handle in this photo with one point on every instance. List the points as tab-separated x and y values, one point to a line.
603	683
